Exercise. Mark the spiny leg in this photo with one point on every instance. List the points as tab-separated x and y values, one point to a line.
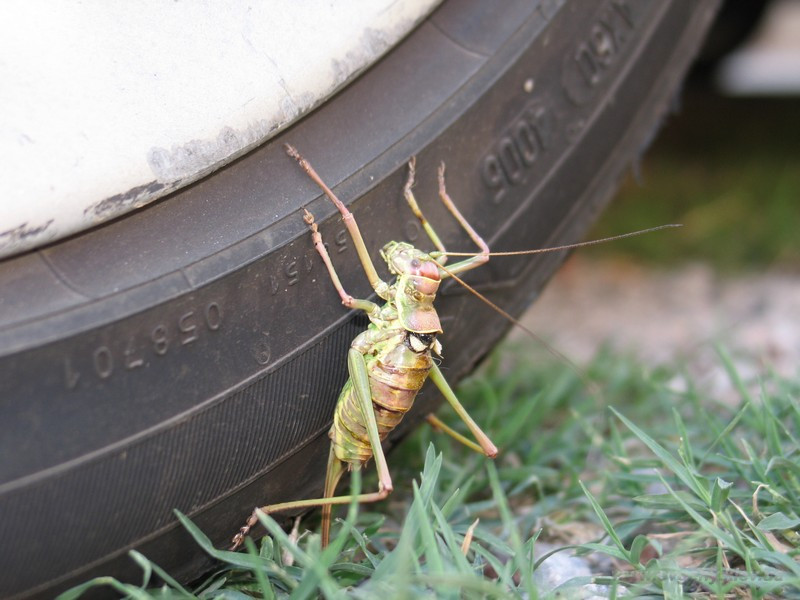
360	378
438	425
486	445
333	474
310	503
412	203
347	299
380	286
474	261
357	368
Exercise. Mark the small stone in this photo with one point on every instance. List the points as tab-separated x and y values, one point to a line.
560	568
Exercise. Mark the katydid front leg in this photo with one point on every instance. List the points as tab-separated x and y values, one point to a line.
381	287
412	203
440	255
474	261
367	306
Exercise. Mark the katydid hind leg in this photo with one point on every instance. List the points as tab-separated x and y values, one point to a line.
486	445
357	369
333	473
309	503
359	376
438	425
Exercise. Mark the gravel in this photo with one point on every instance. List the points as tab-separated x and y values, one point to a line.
668	316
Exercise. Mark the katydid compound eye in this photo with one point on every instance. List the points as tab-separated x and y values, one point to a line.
415	263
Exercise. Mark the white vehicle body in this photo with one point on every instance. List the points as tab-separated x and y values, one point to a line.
105	108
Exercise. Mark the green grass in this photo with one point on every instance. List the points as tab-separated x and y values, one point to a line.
666	493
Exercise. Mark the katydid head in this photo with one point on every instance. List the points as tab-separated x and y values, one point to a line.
418	280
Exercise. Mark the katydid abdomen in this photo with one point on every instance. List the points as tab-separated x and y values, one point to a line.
396	374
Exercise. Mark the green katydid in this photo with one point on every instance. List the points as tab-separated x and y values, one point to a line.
389	362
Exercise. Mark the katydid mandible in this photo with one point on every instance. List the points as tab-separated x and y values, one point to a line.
390	361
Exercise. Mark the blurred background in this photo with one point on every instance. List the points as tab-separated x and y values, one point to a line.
726	164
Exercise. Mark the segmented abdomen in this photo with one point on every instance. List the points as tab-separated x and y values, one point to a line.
393	390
